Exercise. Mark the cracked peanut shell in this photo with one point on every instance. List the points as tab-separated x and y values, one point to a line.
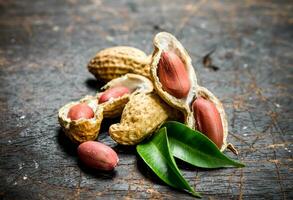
142	115
208	95
81	130
165	42
134	82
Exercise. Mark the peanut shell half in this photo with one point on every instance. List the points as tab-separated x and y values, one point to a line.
165	42
81	130
208	95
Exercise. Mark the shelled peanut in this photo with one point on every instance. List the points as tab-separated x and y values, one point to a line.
81	110
113	93
118	91
173	75
97	155
208	120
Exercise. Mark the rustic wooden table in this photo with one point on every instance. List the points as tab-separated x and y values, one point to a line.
44	50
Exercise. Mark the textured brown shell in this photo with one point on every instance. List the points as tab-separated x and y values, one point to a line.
83	129
142	115
206	94
136	83
166	42
114	62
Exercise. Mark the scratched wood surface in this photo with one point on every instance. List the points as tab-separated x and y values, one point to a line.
241	50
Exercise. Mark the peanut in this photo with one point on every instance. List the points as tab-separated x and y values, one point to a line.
208	120
113	93
97	155
114	62
81	110
140	118
173	75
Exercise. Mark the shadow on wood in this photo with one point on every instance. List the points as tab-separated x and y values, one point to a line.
66	144
93	84
98	174
126	150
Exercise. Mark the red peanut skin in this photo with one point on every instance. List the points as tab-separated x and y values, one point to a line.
173	75
81	110
114	93
208	120
97	155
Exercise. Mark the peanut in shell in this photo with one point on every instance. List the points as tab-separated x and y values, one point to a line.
142	115
111	63
81	130
134	82
208	95
165	42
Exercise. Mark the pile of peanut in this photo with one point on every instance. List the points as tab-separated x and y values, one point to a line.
145	91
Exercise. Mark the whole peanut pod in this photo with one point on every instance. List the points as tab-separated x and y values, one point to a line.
208	120
117	61
97	155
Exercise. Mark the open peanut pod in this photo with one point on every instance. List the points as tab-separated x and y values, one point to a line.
85	128
114	62
208	116
172	72
142	115
118	91
175	81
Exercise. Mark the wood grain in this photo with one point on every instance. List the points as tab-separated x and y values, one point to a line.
44	50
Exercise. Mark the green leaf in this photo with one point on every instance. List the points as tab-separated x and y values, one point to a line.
156	154
195	148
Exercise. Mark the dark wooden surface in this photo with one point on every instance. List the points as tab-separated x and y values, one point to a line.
44	50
